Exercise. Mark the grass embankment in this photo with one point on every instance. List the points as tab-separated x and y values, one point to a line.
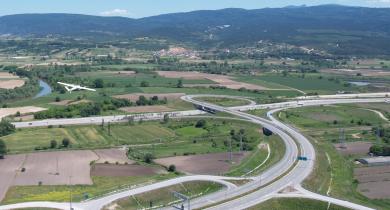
258	156
336	177
101	186
226	102
164	197
296	204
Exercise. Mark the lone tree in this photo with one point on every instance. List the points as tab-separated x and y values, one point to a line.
172	168
53	144
65	142
179	83
148	158
200	123
98	83
3	149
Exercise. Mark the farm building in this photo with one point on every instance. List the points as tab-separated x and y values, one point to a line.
375	160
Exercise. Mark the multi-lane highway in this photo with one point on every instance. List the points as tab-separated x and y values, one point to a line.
286	173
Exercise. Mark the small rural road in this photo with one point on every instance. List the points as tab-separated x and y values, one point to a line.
285	174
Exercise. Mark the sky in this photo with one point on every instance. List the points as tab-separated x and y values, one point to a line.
144	8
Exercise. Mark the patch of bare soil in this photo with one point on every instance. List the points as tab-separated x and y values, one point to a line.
221	80
23	110
374	181
11	84
49	168
145	109
6	75
9	167
113	170
135	96
211	164
112	156
353	148
55	168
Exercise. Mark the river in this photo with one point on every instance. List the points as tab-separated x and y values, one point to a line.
45	89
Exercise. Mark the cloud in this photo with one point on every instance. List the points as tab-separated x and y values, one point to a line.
115	12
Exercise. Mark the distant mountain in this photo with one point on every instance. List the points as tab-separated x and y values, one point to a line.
338	29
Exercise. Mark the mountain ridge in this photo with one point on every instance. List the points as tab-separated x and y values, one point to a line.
327	26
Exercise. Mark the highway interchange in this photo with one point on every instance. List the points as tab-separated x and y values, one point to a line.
287	173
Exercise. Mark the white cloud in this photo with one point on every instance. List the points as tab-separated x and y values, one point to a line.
115	12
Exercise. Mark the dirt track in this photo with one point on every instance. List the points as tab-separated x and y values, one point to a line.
210	164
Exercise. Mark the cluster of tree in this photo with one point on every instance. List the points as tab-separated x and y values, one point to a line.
241	136
53	144
6	128
3	149
82	109
383	133
143	101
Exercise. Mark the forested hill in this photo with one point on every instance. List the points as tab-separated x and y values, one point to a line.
341	29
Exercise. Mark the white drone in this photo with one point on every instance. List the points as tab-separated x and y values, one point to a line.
72	87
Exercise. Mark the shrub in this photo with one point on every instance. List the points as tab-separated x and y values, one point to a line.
53	144
172	168
65	142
